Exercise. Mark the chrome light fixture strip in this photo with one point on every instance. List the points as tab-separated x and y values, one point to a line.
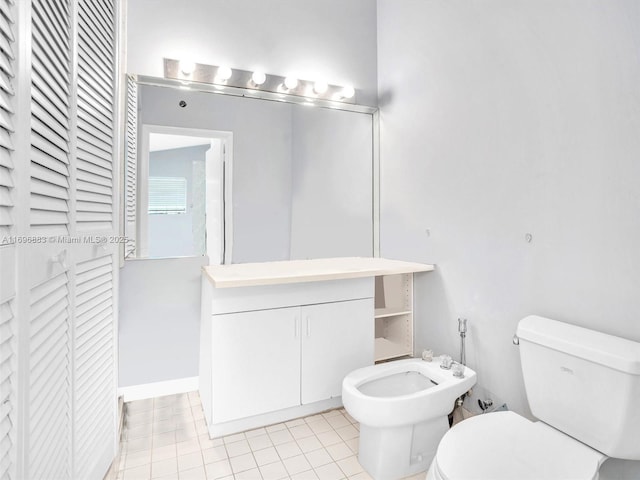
203	78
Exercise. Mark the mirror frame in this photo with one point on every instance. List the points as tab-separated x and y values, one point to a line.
278	97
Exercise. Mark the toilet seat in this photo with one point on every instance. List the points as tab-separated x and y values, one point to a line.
506	446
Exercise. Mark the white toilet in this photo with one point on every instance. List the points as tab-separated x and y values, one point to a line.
402	407
583	385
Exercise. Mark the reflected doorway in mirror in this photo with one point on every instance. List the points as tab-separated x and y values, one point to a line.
184	185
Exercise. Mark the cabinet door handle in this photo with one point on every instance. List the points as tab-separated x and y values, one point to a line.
308	326
295	326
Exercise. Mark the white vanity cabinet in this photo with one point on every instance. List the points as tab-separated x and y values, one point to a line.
269	360
277	338
276	352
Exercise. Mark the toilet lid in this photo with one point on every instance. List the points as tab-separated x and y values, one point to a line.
506	446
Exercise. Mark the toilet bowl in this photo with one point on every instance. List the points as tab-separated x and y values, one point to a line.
402	407
506	446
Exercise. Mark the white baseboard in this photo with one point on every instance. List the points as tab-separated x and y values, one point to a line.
158	389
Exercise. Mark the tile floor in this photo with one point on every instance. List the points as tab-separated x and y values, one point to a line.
166	438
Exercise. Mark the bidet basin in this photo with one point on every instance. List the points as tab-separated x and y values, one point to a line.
400	392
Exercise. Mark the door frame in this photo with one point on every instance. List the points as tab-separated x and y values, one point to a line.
226	139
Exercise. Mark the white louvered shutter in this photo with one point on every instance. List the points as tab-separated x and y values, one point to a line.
48	421
7	390
49	426
6	118
8	360
96	65
94	343
50	93
132	166
94	376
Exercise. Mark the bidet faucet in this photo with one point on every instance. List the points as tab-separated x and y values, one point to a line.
462	329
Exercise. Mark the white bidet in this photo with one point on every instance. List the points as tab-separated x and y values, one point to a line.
402	407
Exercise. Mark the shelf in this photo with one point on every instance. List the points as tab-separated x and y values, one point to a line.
390	312
386	349
393	316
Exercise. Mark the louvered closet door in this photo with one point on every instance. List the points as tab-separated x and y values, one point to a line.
59	421
132	166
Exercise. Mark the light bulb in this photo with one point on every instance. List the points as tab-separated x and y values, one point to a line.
224	74
347	92
187	66
258	78
320	87
291	82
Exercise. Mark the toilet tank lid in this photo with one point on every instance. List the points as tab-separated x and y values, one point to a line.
601	348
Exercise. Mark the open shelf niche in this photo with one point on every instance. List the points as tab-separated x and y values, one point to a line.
393	316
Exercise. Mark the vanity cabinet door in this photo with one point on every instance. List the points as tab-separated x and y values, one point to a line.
336	339
256	362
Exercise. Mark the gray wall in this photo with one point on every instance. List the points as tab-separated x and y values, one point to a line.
331	39
331	198
159	328
504	118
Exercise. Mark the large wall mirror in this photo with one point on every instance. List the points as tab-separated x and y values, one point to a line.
244	179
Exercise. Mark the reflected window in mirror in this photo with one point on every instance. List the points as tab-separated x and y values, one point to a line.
167	195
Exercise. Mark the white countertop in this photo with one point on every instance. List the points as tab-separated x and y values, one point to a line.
296	271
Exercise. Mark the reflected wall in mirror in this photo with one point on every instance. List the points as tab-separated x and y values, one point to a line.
303	178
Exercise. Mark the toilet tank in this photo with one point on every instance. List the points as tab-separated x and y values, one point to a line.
584	383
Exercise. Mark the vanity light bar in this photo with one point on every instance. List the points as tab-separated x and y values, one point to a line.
221	76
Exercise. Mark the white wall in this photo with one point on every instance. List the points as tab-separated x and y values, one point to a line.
498	119
331	39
